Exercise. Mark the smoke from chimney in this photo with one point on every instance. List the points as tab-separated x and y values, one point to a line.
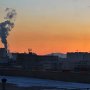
7	26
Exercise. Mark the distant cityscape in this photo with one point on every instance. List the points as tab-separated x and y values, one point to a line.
72	61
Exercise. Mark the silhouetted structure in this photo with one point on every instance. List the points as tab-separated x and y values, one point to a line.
78	56
32	61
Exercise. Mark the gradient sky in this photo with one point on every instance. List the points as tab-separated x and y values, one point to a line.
48	26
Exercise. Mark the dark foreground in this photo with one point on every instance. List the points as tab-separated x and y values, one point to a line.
14	87
81	77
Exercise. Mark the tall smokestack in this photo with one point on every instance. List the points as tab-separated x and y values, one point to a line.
7	26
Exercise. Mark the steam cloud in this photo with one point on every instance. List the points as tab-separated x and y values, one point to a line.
7	26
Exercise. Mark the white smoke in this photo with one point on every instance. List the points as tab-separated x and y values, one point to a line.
7	26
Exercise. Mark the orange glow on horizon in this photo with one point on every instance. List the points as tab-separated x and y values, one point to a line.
49	35
48	38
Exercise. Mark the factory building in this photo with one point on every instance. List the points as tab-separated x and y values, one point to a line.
78	56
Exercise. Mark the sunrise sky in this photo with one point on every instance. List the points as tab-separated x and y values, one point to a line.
48	26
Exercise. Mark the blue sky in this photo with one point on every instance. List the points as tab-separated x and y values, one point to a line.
46	6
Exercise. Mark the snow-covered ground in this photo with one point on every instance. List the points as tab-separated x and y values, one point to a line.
28	82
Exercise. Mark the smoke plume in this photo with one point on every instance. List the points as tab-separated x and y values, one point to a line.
6	26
